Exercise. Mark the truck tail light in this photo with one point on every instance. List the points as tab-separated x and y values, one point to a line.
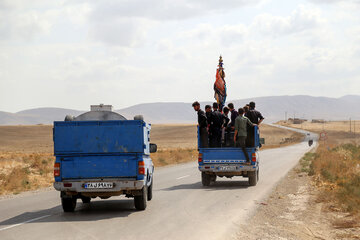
253	157
200	157
57	170
142	168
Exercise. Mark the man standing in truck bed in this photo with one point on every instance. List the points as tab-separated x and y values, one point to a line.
216	123
255	117
241	124
234	115
204	138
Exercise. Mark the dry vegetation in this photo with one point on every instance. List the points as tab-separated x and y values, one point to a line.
26	152
319	198
338	132
25	171
336	166
26	159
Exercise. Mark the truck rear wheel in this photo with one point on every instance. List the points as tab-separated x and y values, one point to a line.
150	190
68	203
205	179
85	199
140	201
213	178
253	178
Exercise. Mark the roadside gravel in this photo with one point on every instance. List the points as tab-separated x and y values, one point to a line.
293	211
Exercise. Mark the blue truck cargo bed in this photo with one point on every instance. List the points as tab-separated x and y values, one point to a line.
225	155
92	137
229	162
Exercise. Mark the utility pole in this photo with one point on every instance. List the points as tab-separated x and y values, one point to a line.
350	125
354	129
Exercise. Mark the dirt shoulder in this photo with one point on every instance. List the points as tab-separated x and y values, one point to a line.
296	209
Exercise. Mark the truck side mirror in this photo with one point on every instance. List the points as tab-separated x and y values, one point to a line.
262	140
153	148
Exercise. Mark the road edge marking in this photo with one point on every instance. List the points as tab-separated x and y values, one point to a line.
28	221
182	177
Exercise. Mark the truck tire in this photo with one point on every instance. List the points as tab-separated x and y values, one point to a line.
253	178
140	201
68	203
85	199
257	174
205	179
213	178
150	190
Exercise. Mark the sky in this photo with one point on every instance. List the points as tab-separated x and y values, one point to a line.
72	54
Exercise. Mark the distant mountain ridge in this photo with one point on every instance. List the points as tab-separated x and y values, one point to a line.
273	108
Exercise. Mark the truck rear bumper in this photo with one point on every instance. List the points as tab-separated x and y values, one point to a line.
218	168
118	185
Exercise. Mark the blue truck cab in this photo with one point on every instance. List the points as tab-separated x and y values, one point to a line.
229	162
101	154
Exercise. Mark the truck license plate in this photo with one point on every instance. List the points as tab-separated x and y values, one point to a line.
97	185
227	168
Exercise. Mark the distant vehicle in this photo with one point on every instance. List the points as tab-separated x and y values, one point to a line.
229	162
310	142
101	154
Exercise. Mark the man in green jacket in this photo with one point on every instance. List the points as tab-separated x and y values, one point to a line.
241	123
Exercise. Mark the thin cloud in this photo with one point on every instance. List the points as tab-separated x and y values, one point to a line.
302	19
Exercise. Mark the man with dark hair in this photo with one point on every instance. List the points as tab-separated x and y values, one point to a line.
202	123
226	117
246	109
216	122
231	125
234	115
241	124
208	112
255	117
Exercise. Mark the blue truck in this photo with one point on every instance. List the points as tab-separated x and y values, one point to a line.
229	162
101	154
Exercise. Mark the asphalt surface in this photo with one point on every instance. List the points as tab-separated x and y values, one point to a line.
180	209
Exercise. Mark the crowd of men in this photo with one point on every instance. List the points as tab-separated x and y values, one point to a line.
217	129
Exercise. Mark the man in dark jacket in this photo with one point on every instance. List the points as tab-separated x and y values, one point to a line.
255	117
234	115
216	123
253	114
208	113
202	123
225	131
231	126
226	117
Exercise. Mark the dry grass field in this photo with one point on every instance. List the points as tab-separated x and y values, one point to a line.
335	165
338	132
26	152
26	139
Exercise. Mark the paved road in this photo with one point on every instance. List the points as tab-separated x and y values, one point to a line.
181	207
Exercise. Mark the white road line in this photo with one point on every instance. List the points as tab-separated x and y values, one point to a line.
31	220
183	177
